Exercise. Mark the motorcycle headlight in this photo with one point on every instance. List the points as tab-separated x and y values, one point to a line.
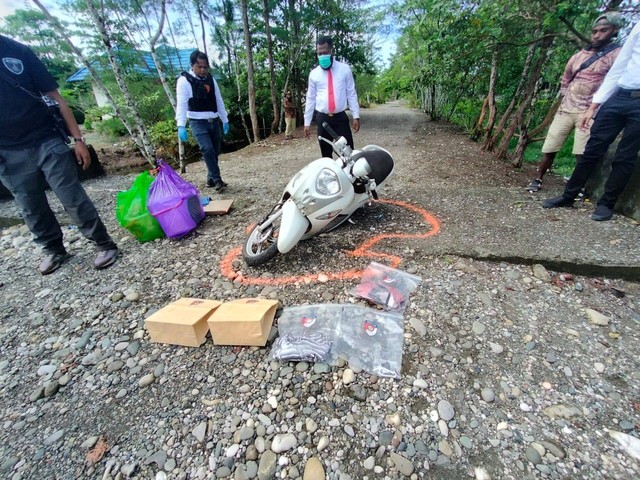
327	182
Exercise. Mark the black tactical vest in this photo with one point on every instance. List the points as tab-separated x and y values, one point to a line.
204	94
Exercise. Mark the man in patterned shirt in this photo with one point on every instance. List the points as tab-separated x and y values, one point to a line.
582	76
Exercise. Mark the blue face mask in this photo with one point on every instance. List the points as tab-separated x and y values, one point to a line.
325	61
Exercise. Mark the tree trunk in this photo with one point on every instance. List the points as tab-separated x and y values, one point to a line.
517	121
491	140
250	81
478	126
272	70
141	130
94	75
491	96
528	136
159	67
203	31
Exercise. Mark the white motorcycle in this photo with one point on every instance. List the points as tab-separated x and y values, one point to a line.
319	198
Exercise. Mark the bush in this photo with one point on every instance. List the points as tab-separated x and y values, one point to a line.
164	135
112	128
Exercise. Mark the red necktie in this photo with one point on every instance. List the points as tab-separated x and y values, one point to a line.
332	100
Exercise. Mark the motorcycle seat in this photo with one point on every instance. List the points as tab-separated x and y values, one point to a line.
380	161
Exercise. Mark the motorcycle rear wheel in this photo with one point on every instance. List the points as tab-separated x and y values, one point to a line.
261	246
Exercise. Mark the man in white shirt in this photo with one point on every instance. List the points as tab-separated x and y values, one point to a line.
198	99
330	91
619	96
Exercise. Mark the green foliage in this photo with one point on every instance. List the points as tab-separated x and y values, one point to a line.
444	54
31	27
111	127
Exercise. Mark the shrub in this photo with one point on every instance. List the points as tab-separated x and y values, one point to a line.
112	128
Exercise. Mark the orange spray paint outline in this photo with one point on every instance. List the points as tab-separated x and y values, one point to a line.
363	250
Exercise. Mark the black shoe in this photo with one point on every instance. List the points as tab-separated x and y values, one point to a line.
535	185
210	183
219	185
602	214
556	202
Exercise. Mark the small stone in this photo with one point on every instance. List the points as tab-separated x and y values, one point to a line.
348	376
323	443
146	380
562	411
533	455
37	394
200	431
626	425
554	448
403	465
313	470
487	395
311	425
54	437
267	465
445	448
393	419
466	442
420	383
541	273
369	463
419	326
596	317
478	327
598	367
51	388
496	348
445	410
283	442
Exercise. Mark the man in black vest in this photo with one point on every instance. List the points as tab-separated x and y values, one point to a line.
33	150
199	100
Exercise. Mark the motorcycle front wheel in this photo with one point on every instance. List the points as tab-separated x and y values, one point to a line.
261	244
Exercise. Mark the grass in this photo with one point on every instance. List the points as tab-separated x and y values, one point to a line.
564	163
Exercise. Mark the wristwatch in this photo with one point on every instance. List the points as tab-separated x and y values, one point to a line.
78	139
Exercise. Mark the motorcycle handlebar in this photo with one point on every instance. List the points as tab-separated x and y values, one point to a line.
330	130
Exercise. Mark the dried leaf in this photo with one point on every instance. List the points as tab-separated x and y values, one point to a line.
97	452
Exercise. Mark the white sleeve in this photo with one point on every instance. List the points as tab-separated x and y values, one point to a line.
311	101
610	82
222	111
352	95
183	94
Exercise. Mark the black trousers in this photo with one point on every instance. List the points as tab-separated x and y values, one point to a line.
620	112
340	123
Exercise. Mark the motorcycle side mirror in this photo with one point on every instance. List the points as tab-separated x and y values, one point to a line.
361	168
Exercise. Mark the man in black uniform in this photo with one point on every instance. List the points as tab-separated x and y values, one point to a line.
32	150
199	100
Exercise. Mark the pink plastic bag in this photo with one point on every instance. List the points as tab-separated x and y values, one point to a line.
174	202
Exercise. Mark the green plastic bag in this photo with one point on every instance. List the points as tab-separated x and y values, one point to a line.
132	212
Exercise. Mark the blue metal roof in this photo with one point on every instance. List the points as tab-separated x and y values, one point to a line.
174	60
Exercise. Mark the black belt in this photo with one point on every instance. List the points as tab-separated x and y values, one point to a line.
628	93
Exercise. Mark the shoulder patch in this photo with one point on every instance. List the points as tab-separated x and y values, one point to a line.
14	65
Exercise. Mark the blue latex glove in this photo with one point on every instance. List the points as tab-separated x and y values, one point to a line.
183	134
225	128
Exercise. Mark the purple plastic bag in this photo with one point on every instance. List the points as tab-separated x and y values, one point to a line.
174	202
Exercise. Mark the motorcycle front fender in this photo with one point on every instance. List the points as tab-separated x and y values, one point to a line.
293	225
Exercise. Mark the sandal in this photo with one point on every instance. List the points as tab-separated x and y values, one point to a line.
535	185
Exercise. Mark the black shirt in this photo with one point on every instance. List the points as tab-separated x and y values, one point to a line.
24	121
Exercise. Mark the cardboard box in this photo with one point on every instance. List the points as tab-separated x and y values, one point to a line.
246	321
218	207
183	322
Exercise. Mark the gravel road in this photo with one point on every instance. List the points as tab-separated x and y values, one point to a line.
515	364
